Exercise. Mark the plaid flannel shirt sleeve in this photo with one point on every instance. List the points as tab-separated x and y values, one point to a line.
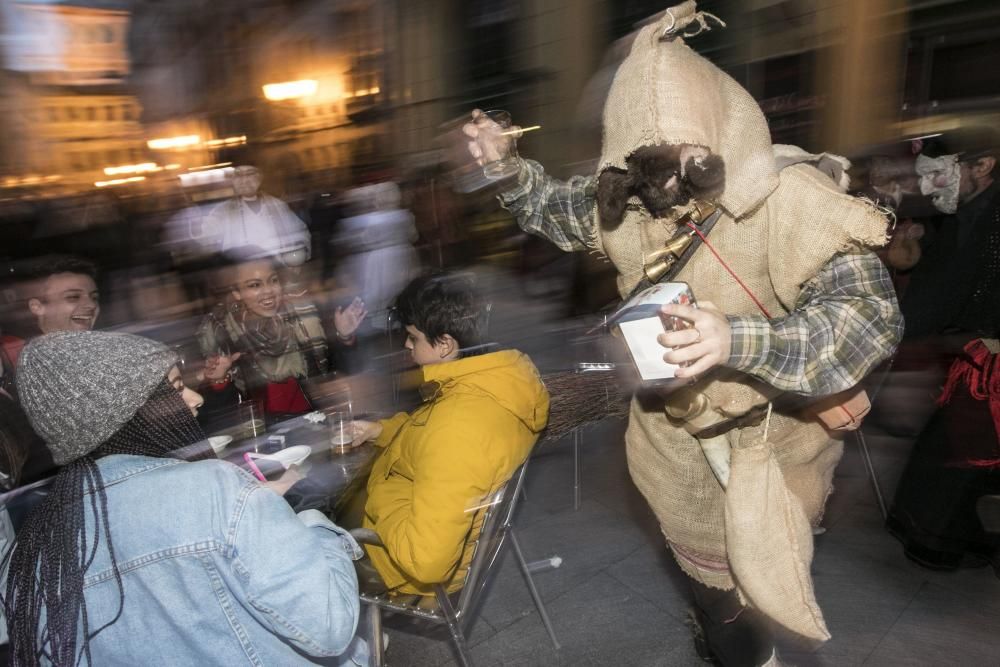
561	211
846	321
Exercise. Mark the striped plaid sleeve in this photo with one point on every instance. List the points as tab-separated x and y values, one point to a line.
560	211
845	323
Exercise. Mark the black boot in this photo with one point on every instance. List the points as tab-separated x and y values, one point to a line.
726	632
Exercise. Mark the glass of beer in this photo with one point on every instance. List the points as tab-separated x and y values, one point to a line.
341	430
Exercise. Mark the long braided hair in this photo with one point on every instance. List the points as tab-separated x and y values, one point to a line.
44	602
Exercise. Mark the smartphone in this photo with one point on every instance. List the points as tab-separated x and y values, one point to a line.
263	469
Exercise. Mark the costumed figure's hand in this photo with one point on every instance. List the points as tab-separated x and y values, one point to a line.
706	344
904	248
286	481
217	366
489	142
363	431
347	320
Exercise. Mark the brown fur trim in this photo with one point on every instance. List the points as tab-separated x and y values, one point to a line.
650	169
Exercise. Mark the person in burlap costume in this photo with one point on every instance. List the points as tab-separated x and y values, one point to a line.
742	532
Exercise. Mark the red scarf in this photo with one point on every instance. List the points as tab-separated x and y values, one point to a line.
979	370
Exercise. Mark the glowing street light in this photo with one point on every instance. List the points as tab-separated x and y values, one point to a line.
132	169
228	141
119	181
290	90
169	143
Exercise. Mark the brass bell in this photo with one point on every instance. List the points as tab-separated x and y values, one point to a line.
701	211
657	264
660	261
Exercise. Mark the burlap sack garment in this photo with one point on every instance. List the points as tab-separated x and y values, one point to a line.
777	231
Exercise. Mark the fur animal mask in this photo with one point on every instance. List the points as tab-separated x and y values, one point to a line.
662	177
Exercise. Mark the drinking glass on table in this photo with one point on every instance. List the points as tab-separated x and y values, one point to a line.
341	424
251	417
339	410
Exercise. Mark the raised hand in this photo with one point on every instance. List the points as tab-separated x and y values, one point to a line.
347	320
218	365
489	141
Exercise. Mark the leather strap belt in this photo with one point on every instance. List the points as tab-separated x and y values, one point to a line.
752	418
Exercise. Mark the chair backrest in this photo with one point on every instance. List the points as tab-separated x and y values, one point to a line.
498	516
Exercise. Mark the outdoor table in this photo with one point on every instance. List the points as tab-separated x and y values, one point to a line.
338	475
334	474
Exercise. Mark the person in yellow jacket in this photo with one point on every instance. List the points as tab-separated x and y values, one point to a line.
480	417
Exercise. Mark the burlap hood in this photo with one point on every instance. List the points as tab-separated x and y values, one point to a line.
665	93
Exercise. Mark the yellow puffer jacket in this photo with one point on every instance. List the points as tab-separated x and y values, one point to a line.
459	447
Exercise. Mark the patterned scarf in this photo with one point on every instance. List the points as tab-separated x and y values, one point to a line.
290	344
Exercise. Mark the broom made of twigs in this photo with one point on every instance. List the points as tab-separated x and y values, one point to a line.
577	398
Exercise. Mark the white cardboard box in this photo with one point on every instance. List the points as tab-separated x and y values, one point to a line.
639	322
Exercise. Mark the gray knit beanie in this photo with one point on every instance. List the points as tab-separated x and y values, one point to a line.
79	387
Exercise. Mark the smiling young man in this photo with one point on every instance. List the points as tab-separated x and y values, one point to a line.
61	293
480	417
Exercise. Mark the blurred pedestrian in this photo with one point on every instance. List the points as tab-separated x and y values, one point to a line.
379	260
252	218
952	309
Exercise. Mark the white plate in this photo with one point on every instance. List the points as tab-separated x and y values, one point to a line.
219	442
291	456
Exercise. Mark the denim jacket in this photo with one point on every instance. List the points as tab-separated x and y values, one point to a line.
217	569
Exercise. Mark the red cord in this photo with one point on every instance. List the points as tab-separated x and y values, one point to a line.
726	267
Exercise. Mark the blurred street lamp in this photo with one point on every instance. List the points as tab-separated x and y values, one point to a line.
119	181
228	141
132	169
290	90
169	143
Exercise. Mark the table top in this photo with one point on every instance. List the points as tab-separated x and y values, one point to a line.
337	474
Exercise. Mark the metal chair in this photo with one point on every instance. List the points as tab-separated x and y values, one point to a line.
875	386
497	529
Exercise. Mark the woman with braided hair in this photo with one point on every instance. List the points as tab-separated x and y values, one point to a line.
148	549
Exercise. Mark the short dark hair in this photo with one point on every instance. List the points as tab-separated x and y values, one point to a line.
44	267
443	303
